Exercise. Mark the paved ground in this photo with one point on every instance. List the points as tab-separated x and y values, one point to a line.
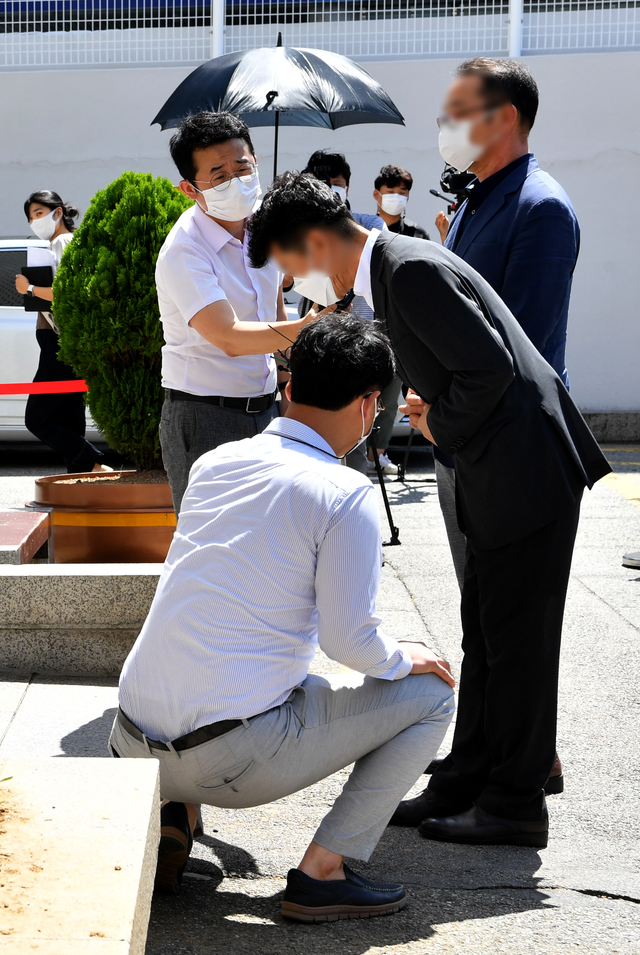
582	894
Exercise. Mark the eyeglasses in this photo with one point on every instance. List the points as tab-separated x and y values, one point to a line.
247	172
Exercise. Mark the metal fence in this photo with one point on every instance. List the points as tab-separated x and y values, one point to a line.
596	25
50	34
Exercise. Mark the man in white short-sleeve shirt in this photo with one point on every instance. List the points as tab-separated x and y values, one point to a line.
218	314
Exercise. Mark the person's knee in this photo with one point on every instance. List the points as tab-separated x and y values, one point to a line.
437	697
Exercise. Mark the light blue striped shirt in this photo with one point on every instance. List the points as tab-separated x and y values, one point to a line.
277	550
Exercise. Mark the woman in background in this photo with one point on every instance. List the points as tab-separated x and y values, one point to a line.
57	420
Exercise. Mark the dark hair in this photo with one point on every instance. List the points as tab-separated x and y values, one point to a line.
325	165
337	359
506	81
45	197
295	203
392	176
200	130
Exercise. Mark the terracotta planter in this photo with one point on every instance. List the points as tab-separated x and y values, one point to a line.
105	521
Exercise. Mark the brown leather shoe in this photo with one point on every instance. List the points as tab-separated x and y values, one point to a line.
555	783
553	786
479	828
175	846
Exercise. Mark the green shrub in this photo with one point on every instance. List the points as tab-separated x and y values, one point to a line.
107	311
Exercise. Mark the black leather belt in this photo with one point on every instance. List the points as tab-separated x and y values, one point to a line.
257	405
201	735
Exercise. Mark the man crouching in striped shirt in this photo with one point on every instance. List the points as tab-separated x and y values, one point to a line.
278	552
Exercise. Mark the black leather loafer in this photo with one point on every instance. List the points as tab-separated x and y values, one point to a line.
312	900
176	842
478	828
411	812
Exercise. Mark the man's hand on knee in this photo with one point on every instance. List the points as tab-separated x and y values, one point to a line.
426	661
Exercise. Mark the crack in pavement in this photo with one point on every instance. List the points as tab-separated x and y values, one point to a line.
599	597
595	893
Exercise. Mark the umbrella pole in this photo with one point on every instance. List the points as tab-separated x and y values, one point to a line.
275	145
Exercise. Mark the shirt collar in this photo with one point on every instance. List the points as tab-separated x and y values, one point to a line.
213	232
481	190
297	431
362	284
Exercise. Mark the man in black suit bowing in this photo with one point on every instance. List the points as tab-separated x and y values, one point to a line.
523	456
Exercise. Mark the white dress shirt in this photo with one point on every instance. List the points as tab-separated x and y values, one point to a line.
277	550
362	283
201	263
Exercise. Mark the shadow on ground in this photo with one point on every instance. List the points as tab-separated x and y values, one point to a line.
90	739
225	906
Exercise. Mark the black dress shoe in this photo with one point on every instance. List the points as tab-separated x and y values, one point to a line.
478	828
176	842
411	812
313	900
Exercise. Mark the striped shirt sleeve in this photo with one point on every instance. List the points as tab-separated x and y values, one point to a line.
347	579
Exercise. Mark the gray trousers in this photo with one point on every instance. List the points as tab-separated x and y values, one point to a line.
390	729
446	478
188	429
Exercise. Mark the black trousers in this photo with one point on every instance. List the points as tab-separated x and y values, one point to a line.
512	608
59	420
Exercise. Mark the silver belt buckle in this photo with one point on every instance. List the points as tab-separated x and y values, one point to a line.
248	409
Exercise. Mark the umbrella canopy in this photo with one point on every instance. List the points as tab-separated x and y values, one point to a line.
305	87
282	86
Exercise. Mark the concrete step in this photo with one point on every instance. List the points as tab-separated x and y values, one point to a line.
22	534
72	618
78	855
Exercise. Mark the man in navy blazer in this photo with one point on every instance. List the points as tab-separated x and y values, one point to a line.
517	228
524	240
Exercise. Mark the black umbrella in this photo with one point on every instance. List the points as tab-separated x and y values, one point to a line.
280	85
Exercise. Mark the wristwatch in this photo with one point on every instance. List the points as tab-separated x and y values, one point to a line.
30	290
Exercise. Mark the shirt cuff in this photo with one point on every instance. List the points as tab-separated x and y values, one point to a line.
397	666
404	668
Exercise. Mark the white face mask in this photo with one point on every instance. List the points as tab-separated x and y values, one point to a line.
365	434
341	191
45	226
317	287
234	203
393	203
454	143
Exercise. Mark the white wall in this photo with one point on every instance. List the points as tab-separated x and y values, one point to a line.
75	131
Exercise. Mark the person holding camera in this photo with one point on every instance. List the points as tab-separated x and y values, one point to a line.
58	420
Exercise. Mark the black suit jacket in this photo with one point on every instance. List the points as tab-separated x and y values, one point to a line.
521	448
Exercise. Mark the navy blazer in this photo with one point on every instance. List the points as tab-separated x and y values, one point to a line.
524	240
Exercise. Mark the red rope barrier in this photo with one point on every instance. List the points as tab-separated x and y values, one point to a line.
42	387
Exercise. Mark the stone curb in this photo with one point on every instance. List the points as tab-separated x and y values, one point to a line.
73	618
